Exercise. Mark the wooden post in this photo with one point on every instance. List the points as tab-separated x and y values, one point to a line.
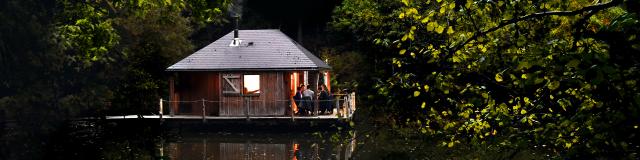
315	96
352	103
160	111
172	96
337	106
347	105
352	106
247	101
291	103
204	119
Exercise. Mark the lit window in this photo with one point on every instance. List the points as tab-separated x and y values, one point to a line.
251	84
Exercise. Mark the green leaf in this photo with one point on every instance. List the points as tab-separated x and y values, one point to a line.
498	77
573	63
450	30
425	20
431	26
405	2
440	29
538	80
553	85
456	58
524	65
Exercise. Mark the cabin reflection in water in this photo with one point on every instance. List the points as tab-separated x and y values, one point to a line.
253	148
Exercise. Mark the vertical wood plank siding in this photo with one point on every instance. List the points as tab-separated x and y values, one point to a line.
268	103
195	86
273	99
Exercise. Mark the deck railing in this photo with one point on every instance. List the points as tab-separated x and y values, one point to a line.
343	106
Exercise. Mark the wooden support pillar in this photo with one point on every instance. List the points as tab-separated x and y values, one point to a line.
291	103
328	81
172	96
247	104
160	110
315	96
337	106
204	112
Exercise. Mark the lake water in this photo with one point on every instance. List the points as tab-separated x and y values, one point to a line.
94	140
239	146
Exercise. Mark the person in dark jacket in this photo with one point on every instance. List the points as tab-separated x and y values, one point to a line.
325	101
298	99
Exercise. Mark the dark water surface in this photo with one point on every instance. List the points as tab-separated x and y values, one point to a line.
94	140
144	140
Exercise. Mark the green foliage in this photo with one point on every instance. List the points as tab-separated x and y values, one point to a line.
347	68
85	32
561	74
65	59
155	40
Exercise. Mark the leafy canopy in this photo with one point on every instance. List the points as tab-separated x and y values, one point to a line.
562	74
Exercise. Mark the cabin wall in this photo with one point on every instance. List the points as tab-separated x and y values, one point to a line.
273	99
195	86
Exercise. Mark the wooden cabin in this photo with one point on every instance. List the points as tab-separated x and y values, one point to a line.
244	73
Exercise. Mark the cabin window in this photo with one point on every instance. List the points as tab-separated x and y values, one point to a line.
251	84
231	84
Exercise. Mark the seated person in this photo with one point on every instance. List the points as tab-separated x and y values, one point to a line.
307	98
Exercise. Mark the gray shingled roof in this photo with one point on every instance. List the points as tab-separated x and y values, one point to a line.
260	50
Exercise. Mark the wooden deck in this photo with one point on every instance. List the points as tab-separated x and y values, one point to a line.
340	119
194	117
242	124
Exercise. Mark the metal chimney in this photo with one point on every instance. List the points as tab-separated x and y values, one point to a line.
236	39
235	10
235	32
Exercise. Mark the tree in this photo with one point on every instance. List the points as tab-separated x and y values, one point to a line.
154	40
560	74
66	59
134	41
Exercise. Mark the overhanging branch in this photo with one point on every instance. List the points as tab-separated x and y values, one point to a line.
592	9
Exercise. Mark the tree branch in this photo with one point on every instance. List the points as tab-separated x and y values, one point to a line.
593	9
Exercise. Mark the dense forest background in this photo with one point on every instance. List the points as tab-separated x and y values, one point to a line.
557	74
